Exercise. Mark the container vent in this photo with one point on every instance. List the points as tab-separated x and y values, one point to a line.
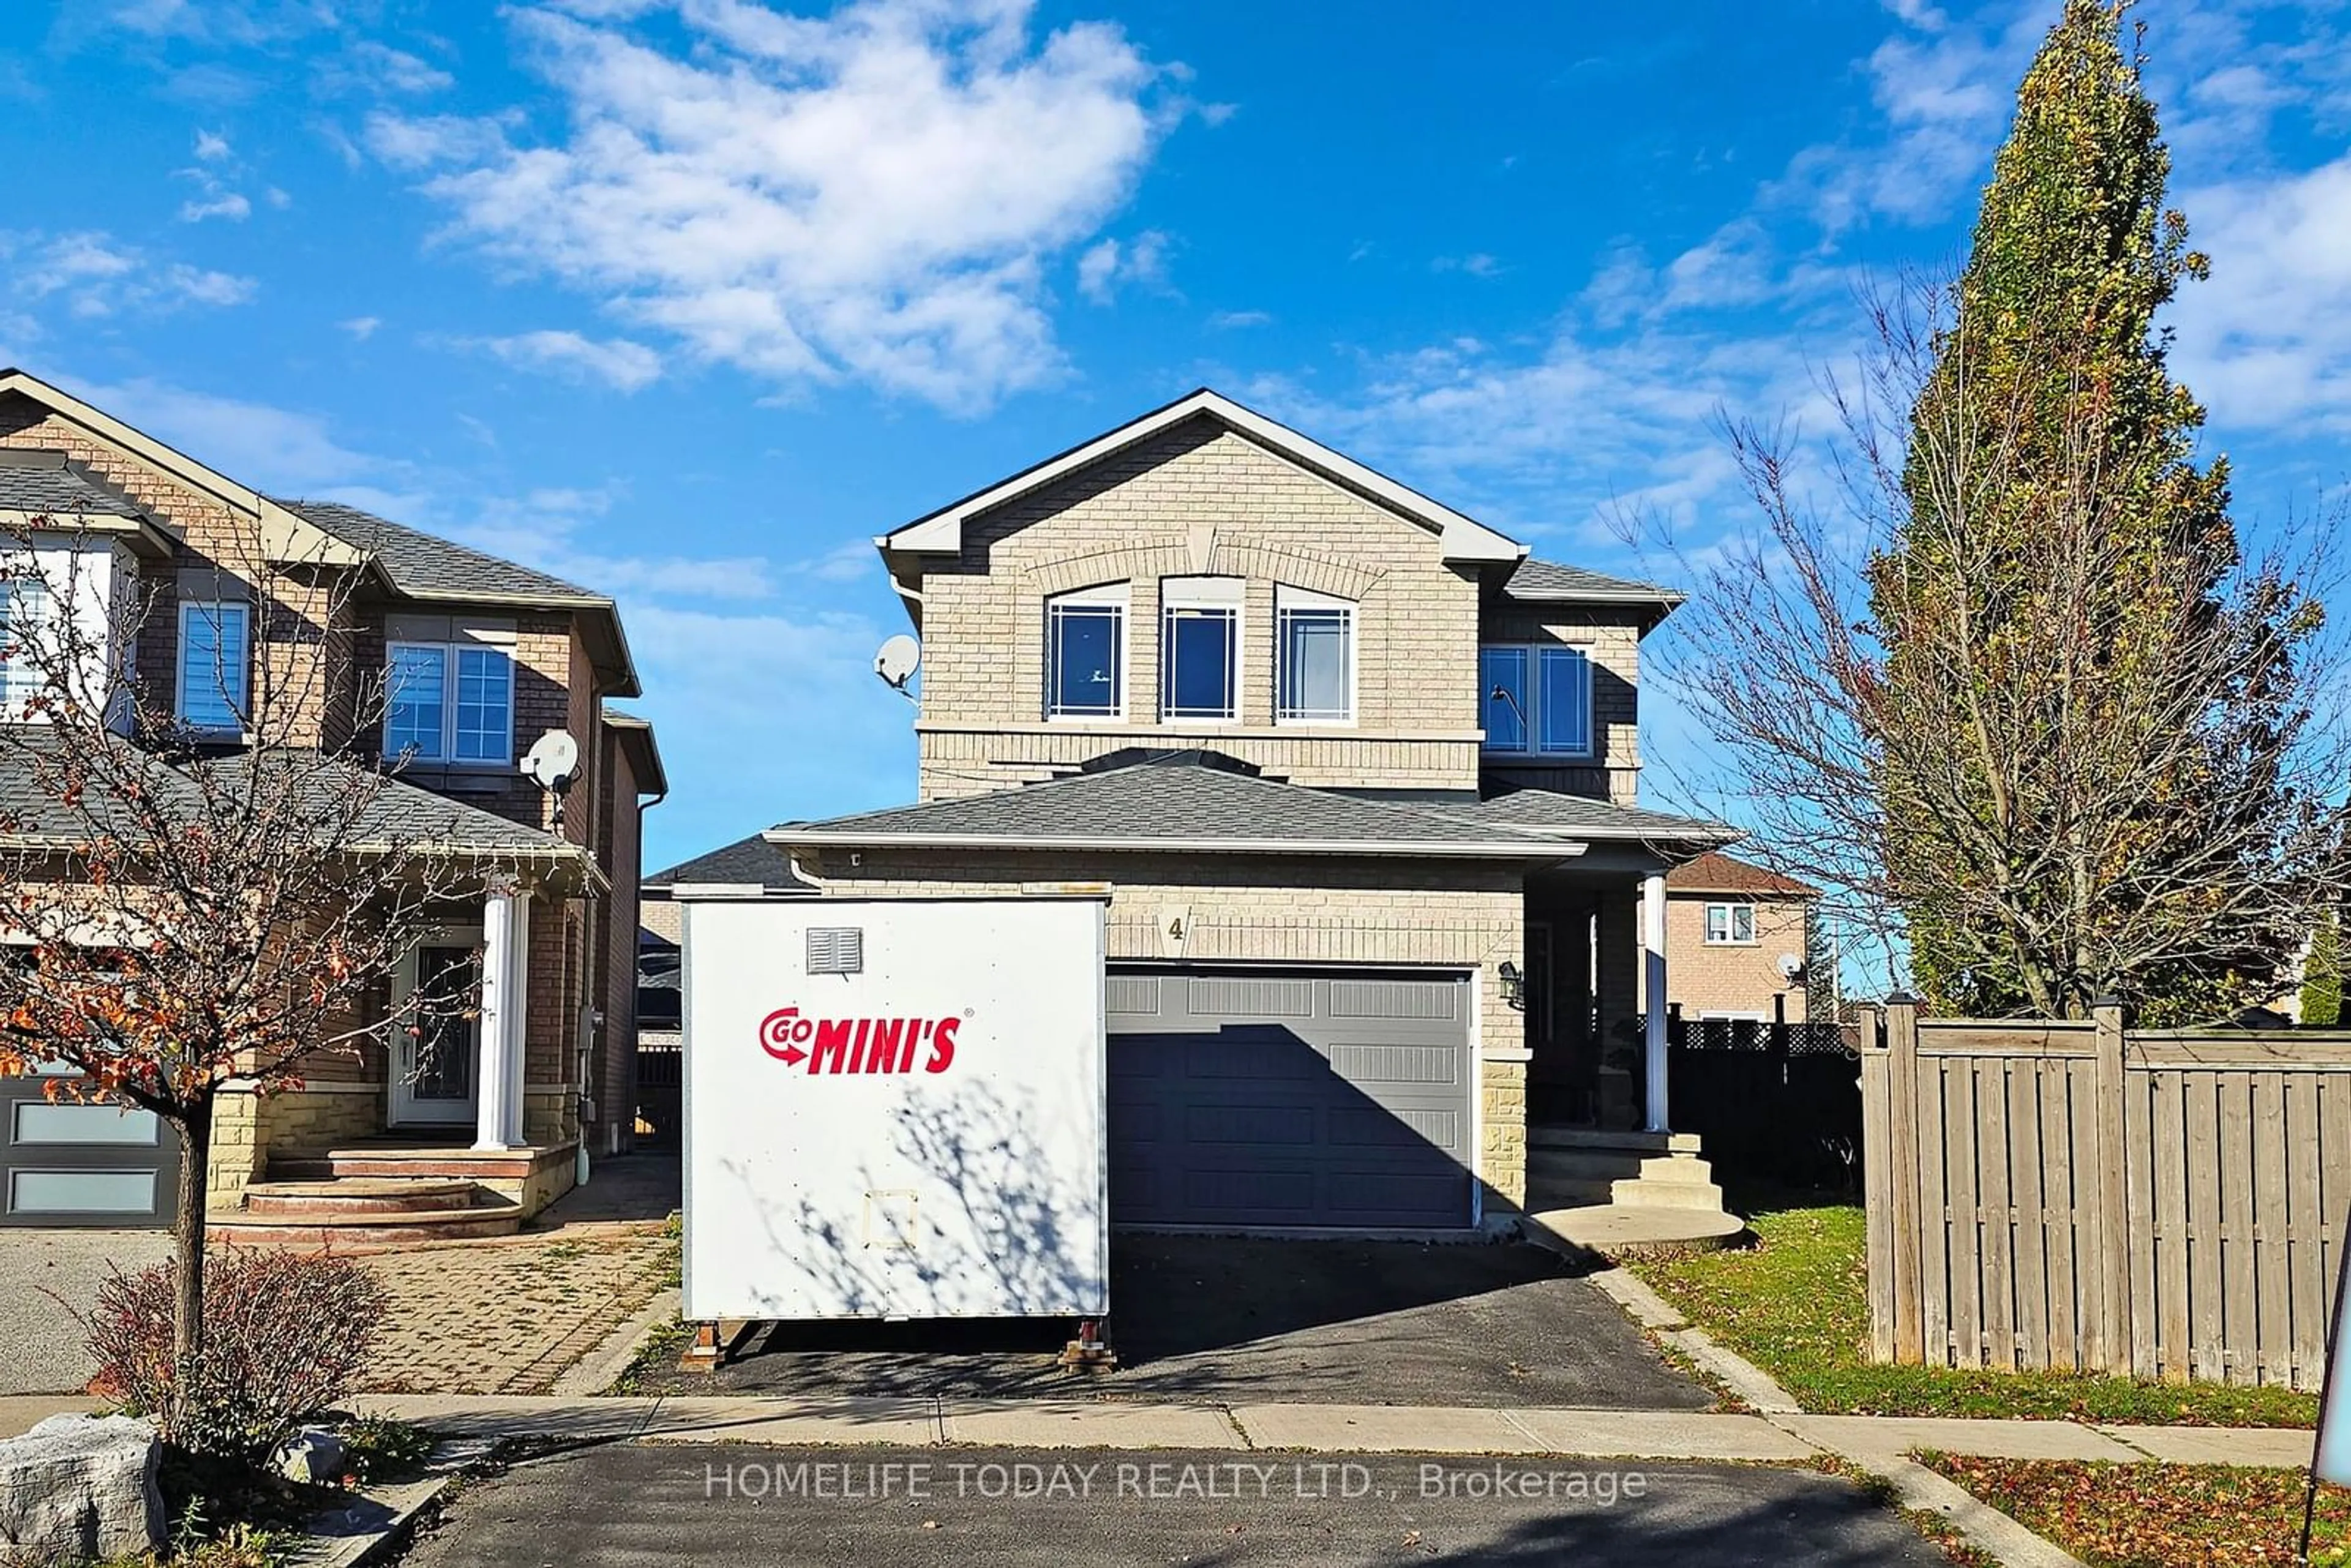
836	950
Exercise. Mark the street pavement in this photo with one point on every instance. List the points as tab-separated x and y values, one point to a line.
743	1506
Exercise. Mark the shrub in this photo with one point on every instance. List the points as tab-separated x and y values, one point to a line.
285	1334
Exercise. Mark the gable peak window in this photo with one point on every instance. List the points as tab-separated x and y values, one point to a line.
1199	648
1729	924
1536	698
1314	678
1085	653
448	703
215	664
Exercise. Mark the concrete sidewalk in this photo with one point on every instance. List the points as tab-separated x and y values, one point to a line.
1324	1428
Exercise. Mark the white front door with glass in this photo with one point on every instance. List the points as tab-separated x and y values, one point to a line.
437	1051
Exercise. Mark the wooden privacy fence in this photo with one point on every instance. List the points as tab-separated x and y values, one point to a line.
2084	1197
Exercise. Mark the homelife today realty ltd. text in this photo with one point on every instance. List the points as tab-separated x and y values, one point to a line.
843	1481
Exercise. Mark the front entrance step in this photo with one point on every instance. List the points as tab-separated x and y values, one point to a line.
1699	1196
1608	1229
454	1164
380	1231
357	1199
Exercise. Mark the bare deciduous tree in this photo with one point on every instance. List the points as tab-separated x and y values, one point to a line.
2117	810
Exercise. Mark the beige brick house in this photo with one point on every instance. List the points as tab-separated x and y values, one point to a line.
325	600
1360	779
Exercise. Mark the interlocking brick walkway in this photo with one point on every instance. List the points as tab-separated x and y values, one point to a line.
509	1316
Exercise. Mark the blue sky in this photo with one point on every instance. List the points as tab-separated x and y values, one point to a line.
686	301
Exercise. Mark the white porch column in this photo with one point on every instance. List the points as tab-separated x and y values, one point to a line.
498	1078
1653	990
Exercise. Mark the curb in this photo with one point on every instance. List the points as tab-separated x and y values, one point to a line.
603	1365
358	1534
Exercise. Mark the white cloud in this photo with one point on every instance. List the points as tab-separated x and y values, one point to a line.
273	449
384	68
93	275
617	362
1110	264
1235	320
360	328
874	193
210	146
229	204
1476	263
2266	340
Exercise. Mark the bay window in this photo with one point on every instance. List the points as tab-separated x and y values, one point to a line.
1537	699
24	617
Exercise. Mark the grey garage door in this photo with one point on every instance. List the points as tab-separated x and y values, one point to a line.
1251	1099
63	1164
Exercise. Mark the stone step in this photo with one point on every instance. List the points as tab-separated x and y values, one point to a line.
454	1164
399	1229
1665	1195
357	1198
1568	1193
1594	1165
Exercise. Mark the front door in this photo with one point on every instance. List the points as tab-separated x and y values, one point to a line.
439	1053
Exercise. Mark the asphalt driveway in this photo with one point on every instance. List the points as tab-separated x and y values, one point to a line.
1234	1319
46	1277
743	1506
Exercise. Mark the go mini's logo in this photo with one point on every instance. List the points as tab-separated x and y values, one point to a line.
859	1045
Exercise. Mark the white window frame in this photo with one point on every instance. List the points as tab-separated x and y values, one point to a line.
1729	938
1528	720
21	679
1117	596
448	756
180	664
1288	600
1219	597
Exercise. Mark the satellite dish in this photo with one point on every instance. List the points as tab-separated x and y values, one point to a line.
552	761
1792	964
897	661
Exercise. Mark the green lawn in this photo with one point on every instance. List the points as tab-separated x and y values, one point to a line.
1796	1306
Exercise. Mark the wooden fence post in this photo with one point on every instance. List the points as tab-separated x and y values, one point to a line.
1902	1147
2108	1339
1876	1178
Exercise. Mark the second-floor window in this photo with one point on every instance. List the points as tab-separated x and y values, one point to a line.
1729	924
215	659
448	703
23	616
1537	700
1315	680
1199	647
1085	653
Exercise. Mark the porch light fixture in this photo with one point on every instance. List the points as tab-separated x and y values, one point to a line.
1514	985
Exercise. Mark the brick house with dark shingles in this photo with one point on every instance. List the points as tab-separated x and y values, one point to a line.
488	656
1360	780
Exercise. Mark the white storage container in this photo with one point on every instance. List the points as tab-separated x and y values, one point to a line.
893	1109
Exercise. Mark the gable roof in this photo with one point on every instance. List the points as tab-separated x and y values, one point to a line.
1200	802
285	536
1718	872
431	569
37	481
754	861
1462	539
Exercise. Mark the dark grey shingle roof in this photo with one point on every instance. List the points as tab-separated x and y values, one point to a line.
400	812
1183	796
1542	809
419	563
744	862
1546	579
31	481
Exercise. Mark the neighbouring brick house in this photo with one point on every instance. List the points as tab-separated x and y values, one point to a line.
1736	940
1360	779
325	602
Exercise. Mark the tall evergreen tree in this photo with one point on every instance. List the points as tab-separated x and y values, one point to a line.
2055	605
